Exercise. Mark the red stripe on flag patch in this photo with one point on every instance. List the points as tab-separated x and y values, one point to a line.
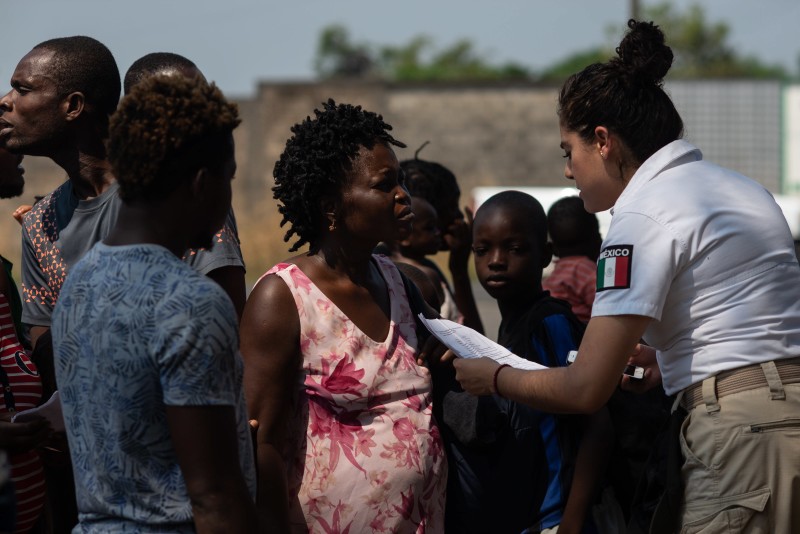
621	272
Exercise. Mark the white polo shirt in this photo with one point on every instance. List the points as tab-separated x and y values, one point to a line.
706	253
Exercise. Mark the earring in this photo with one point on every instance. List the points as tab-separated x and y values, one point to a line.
602	154
332	226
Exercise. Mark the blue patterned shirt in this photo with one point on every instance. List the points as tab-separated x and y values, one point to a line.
136	329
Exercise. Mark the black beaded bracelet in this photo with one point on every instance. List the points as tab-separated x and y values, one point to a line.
494	379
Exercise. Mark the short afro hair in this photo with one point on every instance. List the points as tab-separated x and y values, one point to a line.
155	63
86	65
315	163
569	224
166	128
524	208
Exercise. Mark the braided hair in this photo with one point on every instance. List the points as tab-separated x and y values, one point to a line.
430	180
316	161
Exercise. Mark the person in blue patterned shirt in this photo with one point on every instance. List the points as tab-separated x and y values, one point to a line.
147	348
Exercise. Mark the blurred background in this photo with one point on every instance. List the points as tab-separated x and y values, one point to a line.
479	83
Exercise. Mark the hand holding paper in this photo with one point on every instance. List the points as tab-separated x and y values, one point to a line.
467	343
50	410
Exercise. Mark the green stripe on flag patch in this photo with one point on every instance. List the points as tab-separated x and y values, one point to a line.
614	267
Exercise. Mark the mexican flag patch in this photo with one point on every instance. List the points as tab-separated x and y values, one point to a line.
614	267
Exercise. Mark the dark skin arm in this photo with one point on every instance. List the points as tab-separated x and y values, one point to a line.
590	466
5	283
270	345
22	437
231	279
36	332
459	241
205	444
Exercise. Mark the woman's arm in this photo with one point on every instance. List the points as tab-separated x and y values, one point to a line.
270	345
583	387
231	279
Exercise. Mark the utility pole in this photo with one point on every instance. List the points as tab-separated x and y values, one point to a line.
634	9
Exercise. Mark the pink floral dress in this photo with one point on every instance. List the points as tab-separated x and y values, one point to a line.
366	455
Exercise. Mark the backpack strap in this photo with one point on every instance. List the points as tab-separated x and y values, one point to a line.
418	306
554	330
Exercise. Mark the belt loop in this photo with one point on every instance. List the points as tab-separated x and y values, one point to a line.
678	399
710	394
776	391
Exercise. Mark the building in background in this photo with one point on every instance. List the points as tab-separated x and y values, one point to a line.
489	134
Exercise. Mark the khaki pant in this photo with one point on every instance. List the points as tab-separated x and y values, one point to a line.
741	470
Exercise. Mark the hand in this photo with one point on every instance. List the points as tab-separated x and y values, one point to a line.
448	357
476	376
20	212
22	437
458	238
433	353
645	357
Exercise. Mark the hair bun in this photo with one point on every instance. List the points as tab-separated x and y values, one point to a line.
643	54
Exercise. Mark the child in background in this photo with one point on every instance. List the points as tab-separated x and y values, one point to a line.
437	184
423	240
515	469
575	234
427	290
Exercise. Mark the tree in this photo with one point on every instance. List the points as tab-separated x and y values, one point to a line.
338	56
575	63
700	47
701	50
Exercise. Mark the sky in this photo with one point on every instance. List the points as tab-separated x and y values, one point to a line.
239	42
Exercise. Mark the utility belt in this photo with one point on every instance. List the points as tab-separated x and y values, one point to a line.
766	374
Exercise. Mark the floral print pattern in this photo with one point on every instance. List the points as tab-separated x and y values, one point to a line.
366	452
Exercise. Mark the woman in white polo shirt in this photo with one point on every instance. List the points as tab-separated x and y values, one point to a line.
700	262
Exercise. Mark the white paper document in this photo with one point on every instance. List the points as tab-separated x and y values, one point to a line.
50	410
467	343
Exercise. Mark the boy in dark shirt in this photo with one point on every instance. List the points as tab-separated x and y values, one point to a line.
515	469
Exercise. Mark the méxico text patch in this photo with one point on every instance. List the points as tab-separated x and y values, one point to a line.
614	267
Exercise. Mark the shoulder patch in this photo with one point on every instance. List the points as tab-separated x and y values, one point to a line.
614	267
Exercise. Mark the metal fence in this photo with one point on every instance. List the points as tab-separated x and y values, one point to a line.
737	124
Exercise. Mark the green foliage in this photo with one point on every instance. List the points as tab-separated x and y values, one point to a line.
337	57
700	47
701	50
418	60
575	63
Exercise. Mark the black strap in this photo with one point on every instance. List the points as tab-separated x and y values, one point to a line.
417	305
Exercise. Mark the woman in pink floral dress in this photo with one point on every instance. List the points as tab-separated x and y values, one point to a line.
346	439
